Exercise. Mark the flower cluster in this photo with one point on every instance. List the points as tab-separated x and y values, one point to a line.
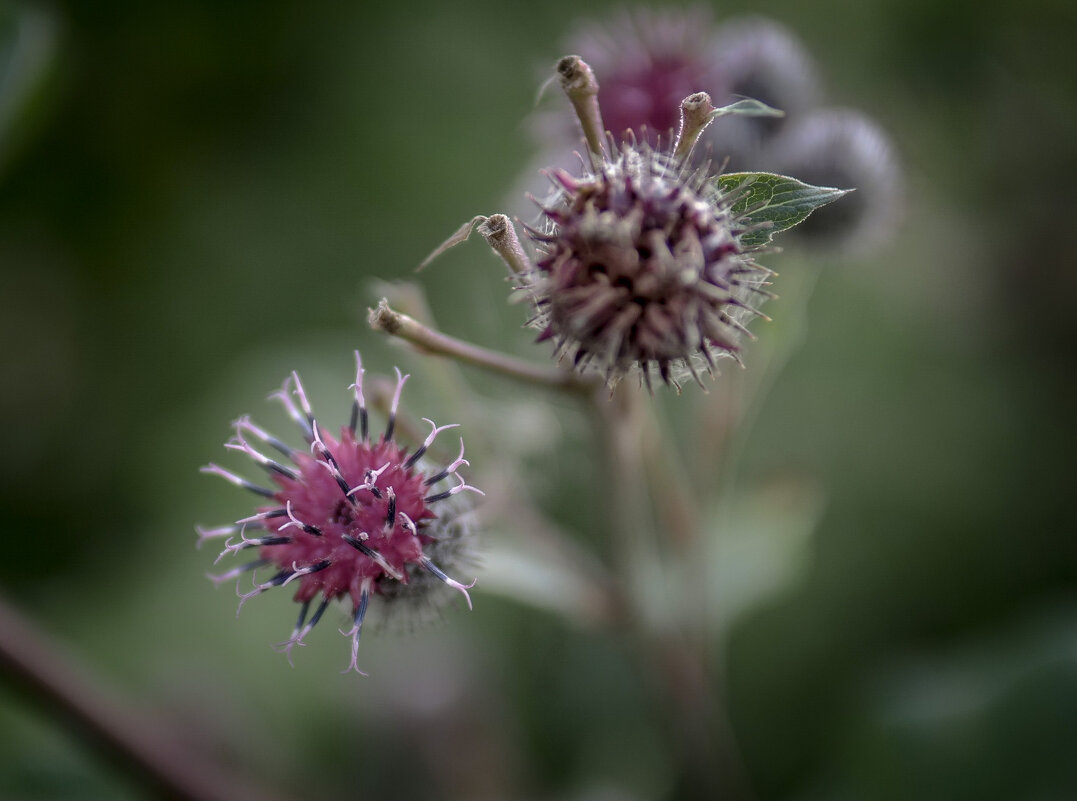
644	263
351	516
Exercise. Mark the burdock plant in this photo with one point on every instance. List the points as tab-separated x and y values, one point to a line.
644	264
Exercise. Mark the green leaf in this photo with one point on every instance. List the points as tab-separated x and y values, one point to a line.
774	202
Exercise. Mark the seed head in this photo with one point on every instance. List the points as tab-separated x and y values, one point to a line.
351	516
639	268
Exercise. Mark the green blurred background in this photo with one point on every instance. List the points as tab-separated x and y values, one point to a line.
197	198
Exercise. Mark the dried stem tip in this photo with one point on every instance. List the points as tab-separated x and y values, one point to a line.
696	115
579	83
500	235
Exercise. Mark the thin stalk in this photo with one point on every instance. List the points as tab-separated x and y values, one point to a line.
579	84
681	690
695	117
500	235
389	321
687	692
675	500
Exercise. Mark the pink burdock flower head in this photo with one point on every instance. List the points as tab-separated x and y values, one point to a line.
649	60
352	516
640	270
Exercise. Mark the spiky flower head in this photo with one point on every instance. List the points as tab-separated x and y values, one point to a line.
351	516
640	268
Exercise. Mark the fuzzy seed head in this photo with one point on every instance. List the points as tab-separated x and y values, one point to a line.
637	269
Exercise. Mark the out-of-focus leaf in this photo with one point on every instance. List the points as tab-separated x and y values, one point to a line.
537	574
759	546
747	108
989	718
28	39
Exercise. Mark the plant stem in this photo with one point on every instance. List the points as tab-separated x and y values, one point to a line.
61	684
385	319
500	235
695	117
579	84
685	691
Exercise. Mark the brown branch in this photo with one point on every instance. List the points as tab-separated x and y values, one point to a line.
385	319
63	686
